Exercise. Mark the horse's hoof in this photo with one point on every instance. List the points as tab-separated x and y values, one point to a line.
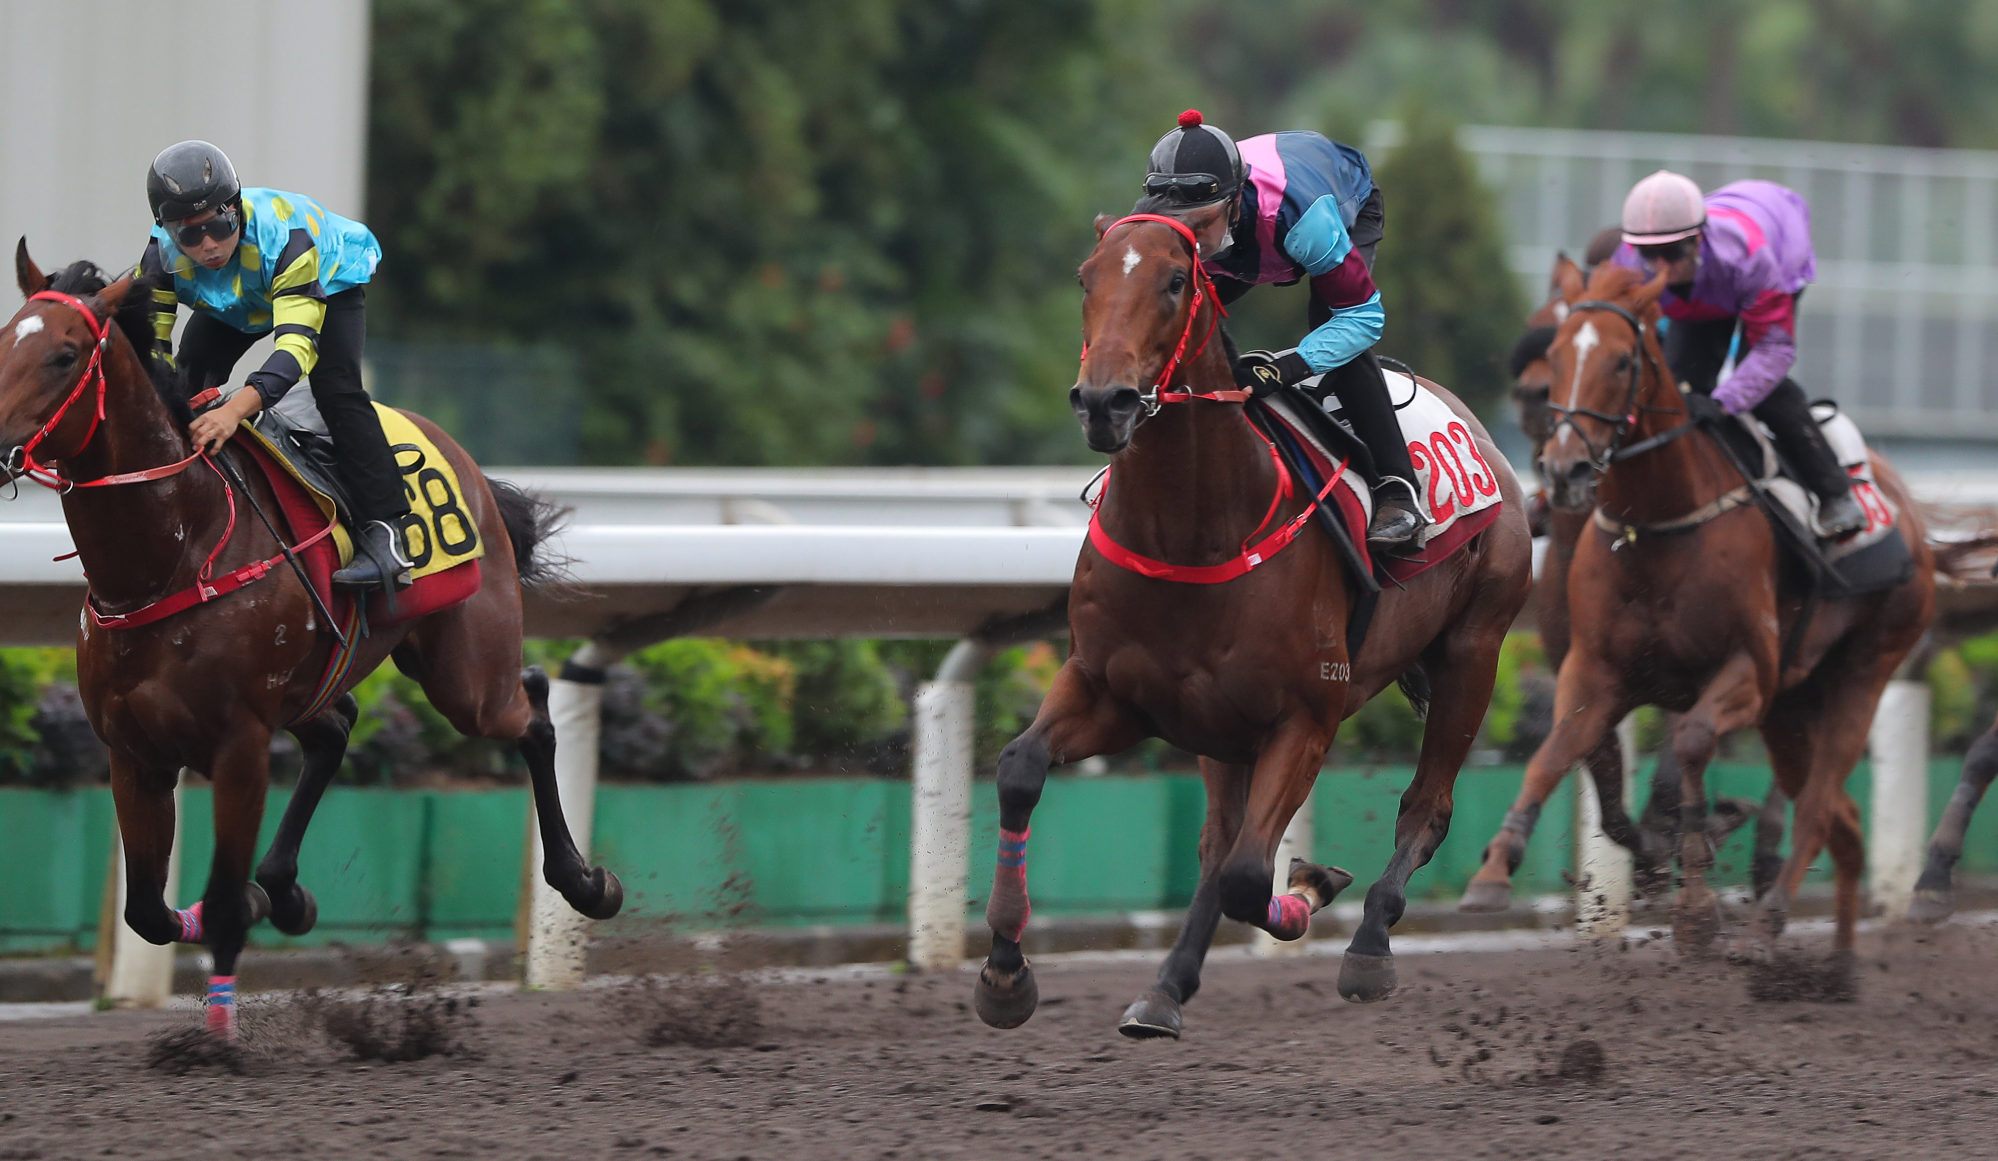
300	919
1751	947
258	902
1006	1001
1366	978
1696	923
609	896
1486	895
1151	1016
1324	882
1931	906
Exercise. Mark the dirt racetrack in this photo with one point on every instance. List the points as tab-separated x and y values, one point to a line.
1542	1054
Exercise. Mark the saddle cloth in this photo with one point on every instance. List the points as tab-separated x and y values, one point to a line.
1457	483
442	539
1874	558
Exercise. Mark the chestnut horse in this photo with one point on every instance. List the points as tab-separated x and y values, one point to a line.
1695	619
1252	673
206	688
1653	838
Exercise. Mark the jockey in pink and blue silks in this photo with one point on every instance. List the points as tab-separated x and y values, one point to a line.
1739	258
1303	208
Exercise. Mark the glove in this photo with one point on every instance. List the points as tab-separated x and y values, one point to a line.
1704	409
1263	372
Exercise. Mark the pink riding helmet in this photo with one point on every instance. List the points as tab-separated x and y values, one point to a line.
1664	207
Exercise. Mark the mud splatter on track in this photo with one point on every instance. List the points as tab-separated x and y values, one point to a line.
1545	1054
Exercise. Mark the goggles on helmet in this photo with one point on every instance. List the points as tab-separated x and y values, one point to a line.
1186	189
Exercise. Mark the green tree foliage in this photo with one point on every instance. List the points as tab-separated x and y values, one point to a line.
778	232
1452	304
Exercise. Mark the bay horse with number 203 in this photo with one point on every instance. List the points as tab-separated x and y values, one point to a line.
82	409
1250	672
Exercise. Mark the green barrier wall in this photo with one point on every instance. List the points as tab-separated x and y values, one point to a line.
389	865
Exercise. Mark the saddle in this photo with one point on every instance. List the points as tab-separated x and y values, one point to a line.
1871	560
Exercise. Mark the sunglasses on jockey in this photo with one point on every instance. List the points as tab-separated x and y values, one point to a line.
1668	251
1185	189
219	228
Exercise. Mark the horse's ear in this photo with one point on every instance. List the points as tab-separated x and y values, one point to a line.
112	297
1644	299
1567	279
1103	223
32	281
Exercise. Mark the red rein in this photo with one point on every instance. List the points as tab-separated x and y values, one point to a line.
202	591
1254	553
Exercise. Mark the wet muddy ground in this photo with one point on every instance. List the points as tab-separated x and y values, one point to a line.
1542	1054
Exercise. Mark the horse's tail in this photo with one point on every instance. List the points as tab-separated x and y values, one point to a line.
530	520
1414	683
1963	538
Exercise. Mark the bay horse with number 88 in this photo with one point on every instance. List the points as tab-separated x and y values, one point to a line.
81	410
1251	671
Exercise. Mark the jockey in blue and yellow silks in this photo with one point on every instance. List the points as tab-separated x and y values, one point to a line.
251	262
1304	207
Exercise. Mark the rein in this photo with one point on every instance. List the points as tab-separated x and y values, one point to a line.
1254	552
20	461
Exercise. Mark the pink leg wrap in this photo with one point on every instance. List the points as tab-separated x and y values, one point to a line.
221	1010
1008	909
1289	917
190	924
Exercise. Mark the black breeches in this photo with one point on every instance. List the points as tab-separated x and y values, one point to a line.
209	350
1364	395
1787	414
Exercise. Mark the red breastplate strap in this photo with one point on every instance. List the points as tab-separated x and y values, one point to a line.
1254	552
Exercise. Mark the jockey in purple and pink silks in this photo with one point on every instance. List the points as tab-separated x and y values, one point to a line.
1303	207
1739	257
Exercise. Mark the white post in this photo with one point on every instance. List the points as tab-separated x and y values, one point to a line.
1900	744
141	973
940	810
1295	844
1603	866
558	939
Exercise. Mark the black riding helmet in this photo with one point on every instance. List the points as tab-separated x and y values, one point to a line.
189	177
1191	166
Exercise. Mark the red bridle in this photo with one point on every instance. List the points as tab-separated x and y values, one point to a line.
21	459
1203	290
1254	552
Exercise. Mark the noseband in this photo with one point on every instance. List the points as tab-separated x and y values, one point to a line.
1203	289
1620	424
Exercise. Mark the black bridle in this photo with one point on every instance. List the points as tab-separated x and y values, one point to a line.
1619	424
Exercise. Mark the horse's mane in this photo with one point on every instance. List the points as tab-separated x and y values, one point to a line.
135	318
1532	346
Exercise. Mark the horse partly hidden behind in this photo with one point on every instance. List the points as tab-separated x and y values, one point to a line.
1192	622
1682	595
178	667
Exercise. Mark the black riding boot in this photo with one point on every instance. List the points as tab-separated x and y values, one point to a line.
1363	393
1787	414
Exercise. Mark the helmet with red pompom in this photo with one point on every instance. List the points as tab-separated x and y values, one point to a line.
1193	165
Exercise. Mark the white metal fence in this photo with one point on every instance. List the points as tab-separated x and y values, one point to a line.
1901	325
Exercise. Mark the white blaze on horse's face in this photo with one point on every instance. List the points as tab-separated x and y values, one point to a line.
1131	259
27	326
1586	341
